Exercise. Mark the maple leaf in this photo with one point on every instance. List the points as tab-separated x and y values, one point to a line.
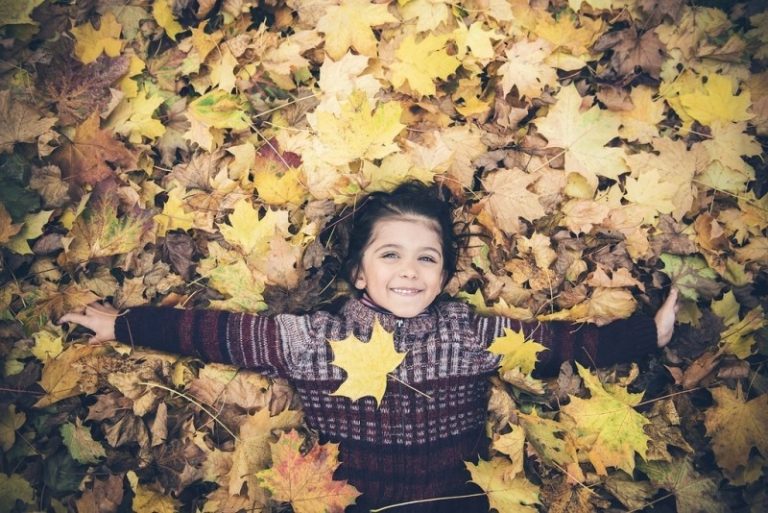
133	117
554	442
641	122
14	487
252	448
359	131
31	229
99	231
420	63
733	441
505	490
606	425
367	364
516	351
7	228
525	68
146	498
220	109
58	379
690	275
583	136
228	273
85	159
477	40
510	198
163	14
78	90
176	215
10	422
251	233
729	143
47	345
90	43
349	26
306	480
649	191
21	123
710	101
693	491
80	443
16	12
738	336
633	51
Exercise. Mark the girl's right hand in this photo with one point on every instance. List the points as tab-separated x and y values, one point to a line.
97	317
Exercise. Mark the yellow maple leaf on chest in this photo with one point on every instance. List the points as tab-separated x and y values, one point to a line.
367	364
421	63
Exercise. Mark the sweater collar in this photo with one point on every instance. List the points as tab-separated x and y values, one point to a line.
363	311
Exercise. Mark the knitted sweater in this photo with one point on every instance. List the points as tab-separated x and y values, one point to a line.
411	446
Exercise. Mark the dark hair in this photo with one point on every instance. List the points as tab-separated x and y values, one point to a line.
410	199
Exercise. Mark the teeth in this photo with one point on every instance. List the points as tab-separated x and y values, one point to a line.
405	291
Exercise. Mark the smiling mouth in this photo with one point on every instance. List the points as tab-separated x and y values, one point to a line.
405	292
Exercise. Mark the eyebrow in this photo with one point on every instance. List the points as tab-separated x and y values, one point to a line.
399	246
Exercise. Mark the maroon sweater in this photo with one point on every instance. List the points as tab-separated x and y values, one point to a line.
409	447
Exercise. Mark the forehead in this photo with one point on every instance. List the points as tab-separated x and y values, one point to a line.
410	229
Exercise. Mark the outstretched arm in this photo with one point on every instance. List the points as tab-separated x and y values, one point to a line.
621	341
249	341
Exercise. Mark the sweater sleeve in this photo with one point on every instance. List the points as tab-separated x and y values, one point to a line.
621	341
243	340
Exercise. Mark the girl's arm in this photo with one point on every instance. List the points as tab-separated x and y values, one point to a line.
244	340
621	341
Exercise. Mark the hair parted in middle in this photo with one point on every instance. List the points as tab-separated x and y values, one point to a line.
409	200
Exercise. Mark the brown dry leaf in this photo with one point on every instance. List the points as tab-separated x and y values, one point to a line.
103	497
509	198
21	123
58	380
87	157
7	228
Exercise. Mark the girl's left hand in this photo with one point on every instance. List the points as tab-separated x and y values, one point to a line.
665	318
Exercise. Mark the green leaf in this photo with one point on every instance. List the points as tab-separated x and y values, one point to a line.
219	109
693	491
61	473
14	488
10	421
691	275
81	445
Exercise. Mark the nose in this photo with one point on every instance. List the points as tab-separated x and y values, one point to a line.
408	270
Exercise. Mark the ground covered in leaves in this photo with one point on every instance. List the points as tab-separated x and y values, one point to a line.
200	154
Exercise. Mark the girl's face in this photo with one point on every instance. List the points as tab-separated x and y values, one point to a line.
402	266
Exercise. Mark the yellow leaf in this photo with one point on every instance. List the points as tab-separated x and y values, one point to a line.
714	101
607	427
204	42
16	12
516	351
367	364
651	192
583	135
174	215
429	15
359	131
228	273
394	170
32	229
604	306
252	234
554	442
729	143
280	189
223	71
641	123
58	379
133	117
349	26
506	491
47	346
476	40
421	63
90	43
148	500
525	68
220	109
736	426
252	448
127	84
163	14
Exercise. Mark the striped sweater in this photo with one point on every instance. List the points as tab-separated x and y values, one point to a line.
410	447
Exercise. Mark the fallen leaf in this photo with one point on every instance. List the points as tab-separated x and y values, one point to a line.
90	42
82	447
348	25
22	123
516	351
367	364
505	491
306	480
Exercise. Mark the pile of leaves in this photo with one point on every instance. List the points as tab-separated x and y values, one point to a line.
200	154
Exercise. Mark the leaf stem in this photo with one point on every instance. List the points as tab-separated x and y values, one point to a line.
409	386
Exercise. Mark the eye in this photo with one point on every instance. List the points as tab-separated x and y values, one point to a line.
428	258
389	255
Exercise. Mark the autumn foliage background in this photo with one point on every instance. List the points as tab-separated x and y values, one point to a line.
200	154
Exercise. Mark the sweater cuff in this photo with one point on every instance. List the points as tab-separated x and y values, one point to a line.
627	340
147	326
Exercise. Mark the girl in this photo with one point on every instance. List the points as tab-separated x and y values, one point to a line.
413	445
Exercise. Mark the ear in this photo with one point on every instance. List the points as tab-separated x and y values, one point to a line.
360	282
